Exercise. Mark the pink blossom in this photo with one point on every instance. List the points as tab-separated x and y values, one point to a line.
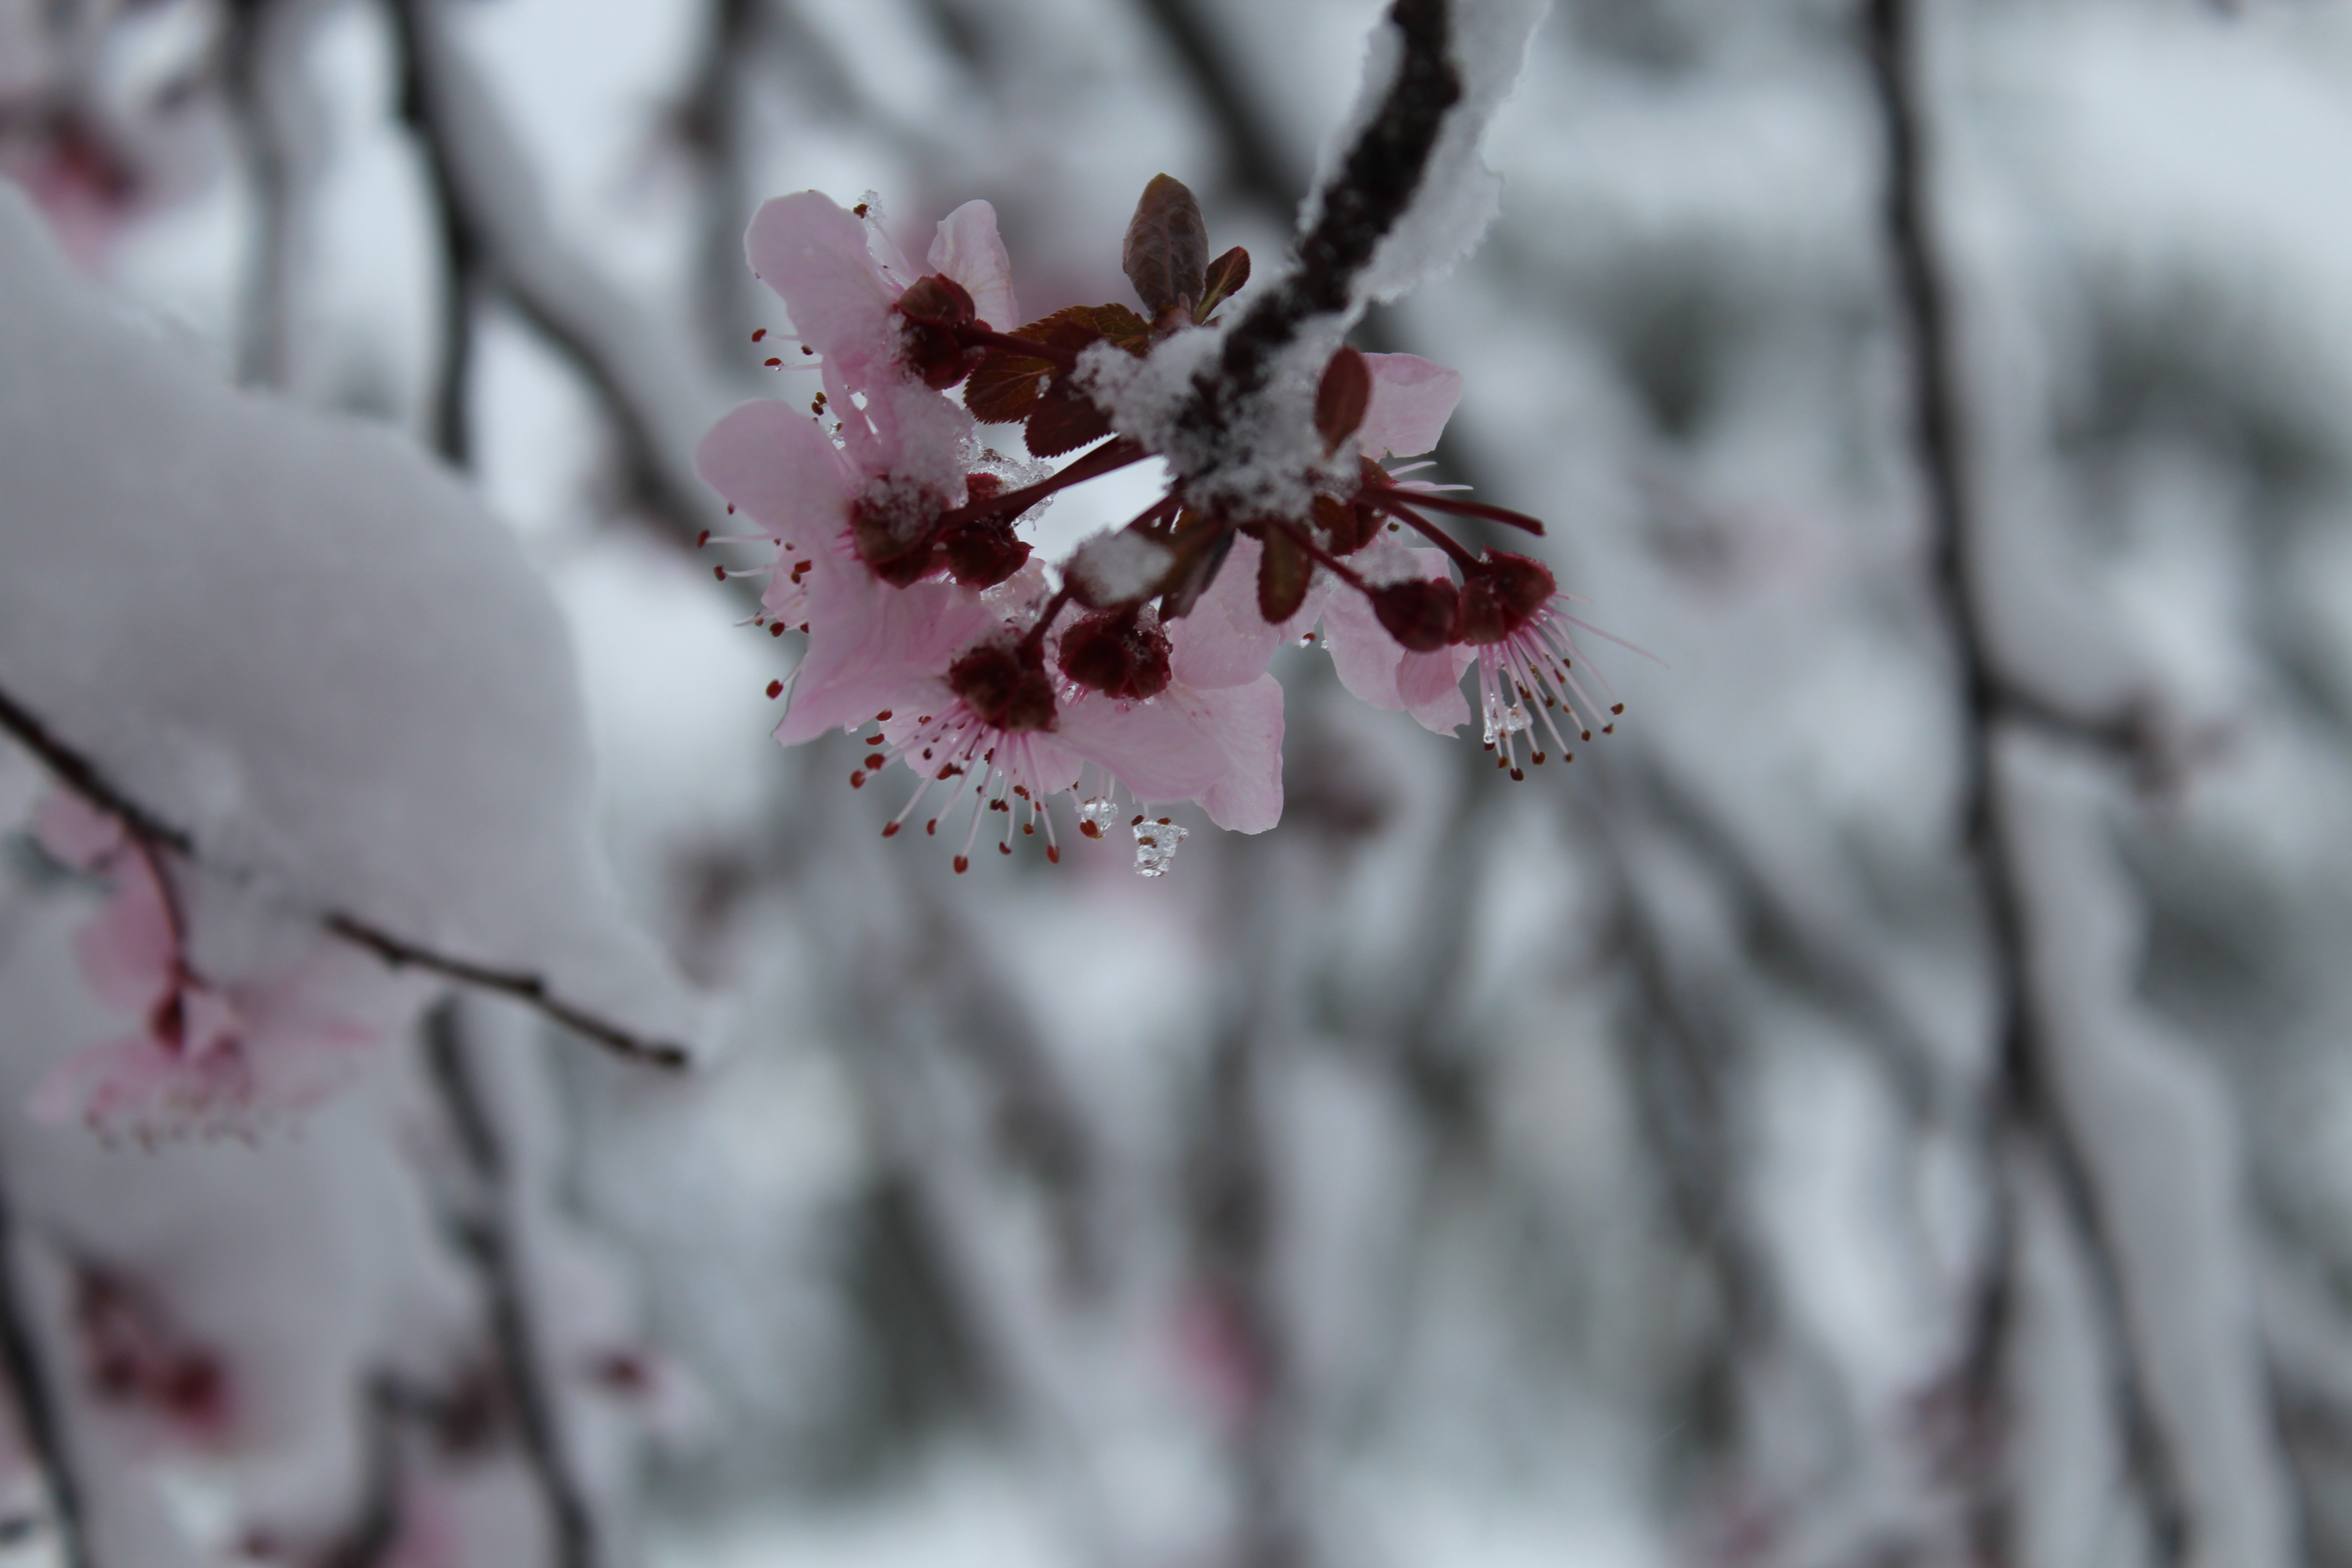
133	1358
1373	666
845	304
1517	619
208	1060
1412	400
872	648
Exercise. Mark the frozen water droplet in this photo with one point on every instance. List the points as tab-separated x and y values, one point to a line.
1503	720
1096	816
1155	847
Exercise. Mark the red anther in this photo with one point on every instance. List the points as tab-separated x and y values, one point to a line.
1004	848
1422	613
1618	708
758	333
890	830
776	630
775	690
931	828
704	537
720	573
1501	594
1006	687
1090	830
962	864
875	760
882	716
806	350
934	310
1118	653
1053	854
774	363
858	779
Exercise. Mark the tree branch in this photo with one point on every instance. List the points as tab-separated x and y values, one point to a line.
499	238
2022	1099
490	1241
77	773
1363	202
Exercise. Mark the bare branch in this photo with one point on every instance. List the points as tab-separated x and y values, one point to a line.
499	236
77	773
493	1244
2022	1099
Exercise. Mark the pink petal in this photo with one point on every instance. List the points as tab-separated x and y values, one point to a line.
1157	749
126	951
1412	400
1369	661
1224	641
1429	686
773	463
1222	747
873	646
76	832
970	250
814	254
1247	720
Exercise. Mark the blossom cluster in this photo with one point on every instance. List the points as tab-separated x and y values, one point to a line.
1140	665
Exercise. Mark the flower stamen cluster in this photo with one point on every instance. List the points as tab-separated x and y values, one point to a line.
1144	654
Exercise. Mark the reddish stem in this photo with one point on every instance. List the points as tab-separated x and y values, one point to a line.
1430	531
1322	557
1387	496
985	338
1107	458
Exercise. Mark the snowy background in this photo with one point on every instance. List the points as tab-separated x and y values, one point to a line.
1710	1155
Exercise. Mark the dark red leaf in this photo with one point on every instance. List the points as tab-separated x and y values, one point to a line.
1340	399
1224	279
1065	420
1282	574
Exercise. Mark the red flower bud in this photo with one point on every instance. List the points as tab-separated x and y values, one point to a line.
1502	593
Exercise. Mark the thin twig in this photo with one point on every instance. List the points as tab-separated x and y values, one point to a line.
490	1241
86	779
498	240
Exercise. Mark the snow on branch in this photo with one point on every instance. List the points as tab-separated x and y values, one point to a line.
293	653
488	200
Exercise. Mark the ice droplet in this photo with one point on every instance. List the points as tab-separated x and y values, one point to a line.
1503	720
1155	847
1096	816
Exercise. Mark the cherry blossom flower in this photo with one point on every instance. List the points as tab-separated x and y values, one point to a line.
1144	656
207	1059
